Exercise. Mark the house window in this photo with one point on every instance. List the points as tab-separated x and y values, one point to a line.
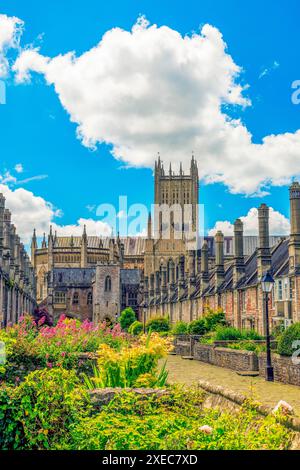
287	289
90	298
107	284
59	297
76	298
278	289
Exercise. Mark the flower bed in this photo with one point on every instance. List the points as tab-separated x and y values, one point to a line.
29	346
56	407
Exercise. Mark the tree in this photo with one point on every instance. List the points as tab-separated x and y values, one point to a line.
127	317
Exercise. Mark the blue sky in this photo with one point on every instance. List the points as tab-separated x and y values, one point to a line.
36	131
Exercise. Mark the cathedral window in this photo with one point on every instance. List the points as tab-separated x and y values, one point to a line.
76	298
90	298
107	284
59	297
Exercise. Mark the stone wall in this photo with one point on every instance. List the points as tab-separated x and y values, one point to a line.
235	359
218	356
284	370
204	352
182	345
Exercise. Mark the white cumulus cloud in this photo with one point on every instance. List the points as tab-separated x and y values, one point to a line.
93	228
152	89
279	224
28	211
10	31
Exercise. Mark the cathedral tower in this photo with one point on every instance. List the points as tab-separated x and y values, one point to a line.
179	191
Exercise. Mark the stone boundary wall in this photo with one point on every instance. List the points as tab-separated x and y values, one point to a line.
218	356
248	361
284	370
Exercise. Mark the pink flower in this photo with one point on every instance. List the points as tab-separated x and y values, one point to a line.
41	321
50	365
63	354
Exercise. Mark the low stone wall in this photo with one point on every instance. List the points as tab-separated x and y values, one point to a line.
182	345
284	370
235	359
222	357
204	352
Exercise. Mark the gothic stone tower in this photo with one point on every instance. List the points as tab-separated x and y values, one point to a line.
176	204
179	191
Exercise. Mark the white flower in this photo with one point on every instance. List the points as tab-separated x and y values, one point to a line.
206	429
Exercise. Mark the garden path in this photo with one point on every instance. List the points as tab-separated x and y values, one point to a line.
268	393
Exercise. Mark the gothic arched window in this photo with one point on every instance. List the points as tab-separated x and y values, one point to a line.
75	298
90	298
107	284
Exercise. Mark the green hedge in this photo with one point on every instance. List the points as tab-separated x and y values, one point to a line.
285	342
197	327
180	328
135	328
158	324
127	317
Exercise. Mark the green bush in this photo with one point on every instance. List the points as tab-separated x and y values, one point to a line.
285	342
213	319
135	328
180	328
174	422
278	330
127	318
251	334
39	413
247	345
197	327
158	324
229	333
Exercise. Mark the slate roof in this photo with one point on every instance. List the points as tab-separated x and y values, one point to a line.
135	246
76	277
279	263
130	276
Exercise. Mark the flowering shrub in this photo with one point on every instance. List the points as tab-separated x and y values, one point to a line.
134	365
30	345
41	317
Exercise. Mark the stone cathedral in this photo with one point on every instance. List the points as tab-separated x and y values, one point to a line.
171	271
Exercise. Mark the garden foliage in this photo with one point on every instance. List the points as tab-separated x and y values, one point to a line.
289	336
127	318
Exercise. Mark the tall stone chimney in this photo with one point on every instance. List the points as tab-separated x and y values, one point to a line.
219	267
2	209
204	275
238	262
263	252
294	245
